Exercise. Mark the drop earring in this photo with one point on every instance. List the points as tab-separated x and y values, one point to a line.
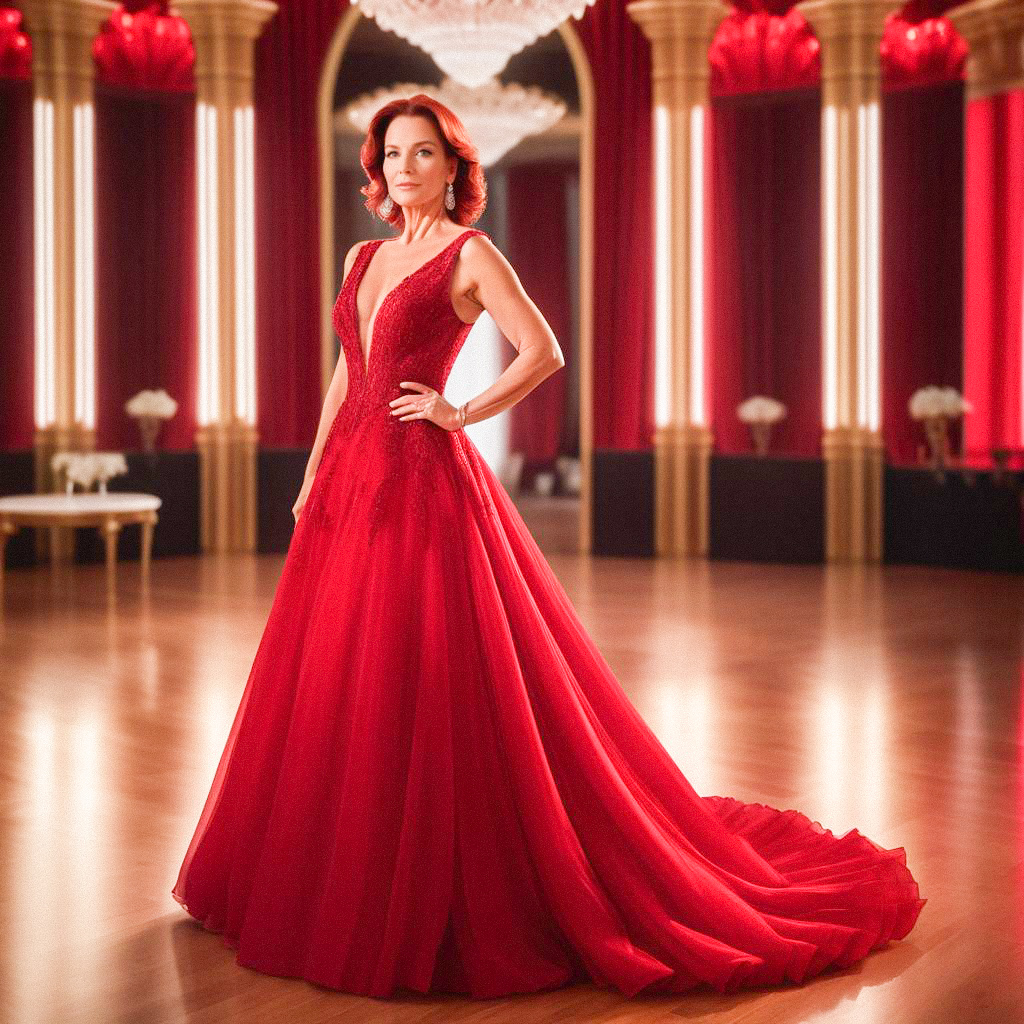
449	197
386	207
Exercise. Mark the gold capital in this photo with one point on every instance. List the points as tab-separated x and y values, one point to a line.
994	32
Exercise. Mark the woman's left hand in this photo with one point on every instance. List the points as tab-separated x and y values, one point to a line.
426	404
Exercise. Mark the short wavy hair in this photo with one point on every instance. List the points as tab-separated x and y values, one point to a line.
470	185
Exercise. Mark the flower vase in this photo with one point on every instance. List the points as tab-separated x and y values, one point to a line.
761	432
149	426
935	429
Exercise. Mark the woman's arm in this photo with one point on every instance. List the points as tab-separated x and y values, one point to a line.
336	391
495	286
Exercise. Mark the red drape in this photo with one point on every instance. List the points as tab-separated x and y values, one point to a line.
539	251
289	60
17	345
922	253
764	273
995	270
146	334
623	296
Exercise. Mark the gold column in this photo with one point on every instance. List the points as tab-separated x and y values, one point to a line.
850	34
994	32
223	32
62	33
680	32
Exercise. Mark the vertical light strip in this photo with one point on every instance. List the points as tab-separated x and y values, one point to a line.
874	308
245	289
44	300
90	254
861	185
662	271
250	258
830	355
203	412
84	248
78	230
697	264
206	215
868	269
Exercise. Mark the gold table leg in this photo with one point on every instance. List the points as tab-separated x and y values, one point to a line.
7	530
147	546
111	528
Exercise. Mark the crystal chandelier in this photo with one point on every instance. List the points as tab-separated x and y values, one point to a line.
496	116
471	40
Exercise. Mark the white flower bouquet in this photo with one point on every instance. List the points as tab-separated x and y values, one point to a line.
85	468
935	407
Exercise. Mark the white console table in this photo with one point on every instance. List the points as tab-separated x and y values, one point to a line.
107	512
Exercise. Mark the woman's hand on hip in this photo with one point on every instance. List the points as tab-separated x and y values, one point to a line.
425	404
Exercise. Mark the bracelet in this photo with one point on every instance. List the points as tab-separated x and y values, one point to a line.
462	414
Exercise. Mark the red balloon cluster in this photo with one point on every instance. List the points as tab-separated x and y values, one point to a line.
142	46
918	53
763	51
15	46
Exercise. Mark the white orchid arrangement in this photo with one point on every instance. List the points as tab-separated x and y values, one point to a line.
151	403
933	401
761	409
84	468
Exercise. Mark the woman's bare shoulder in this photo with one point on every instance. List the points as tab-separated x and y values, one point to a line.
483	259
481	252
350	257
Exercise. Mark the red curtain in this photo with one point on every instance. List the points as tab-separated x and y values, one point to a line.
995	270
289	60
623	296
17	343
764	266
539	251
922	253
146	335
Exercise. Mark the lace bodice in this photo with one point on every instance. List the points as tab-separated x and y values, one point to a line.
416	336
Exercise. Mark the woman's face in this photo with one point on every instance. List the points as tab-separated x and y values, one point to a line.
415	167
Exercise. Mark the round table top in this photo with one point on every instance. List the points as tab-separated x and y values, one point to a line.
74	504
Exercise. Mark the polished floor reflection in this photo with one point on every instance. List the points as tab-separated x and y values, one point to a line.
887	699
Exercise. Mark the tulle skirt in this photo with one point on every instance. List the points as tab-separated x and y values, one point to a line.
435	782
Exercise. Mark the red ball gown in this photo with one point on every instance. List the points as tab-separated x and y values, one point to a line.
434	781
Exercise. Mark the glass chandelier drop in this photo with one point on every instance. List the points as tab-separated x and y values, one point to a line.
471	40
497	116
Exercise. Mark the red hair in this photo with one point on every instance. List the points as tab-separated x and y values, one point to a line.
469	184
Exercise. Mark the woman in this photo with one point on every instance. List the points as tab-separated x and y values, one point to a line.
433	780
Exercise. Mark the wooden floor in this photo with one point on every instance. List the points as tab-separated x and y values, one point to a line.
884	699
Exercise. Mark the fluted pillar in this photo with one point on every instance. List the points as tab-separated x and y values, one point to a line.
680	32
224	32
850	34
62	33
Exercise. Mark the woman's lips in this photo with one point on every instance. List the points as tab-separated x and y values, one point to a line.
408	184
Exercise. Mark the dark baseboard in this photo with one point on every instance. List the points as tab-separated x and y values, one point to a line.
767	509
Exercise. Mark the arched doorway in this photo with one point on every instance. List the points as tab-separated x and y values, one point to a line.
361	58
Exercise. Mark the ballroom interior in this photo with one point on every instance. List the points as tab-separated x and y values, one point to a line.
781	474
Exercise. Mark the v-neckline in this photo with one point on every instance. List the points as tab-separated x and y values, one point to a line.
364	357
